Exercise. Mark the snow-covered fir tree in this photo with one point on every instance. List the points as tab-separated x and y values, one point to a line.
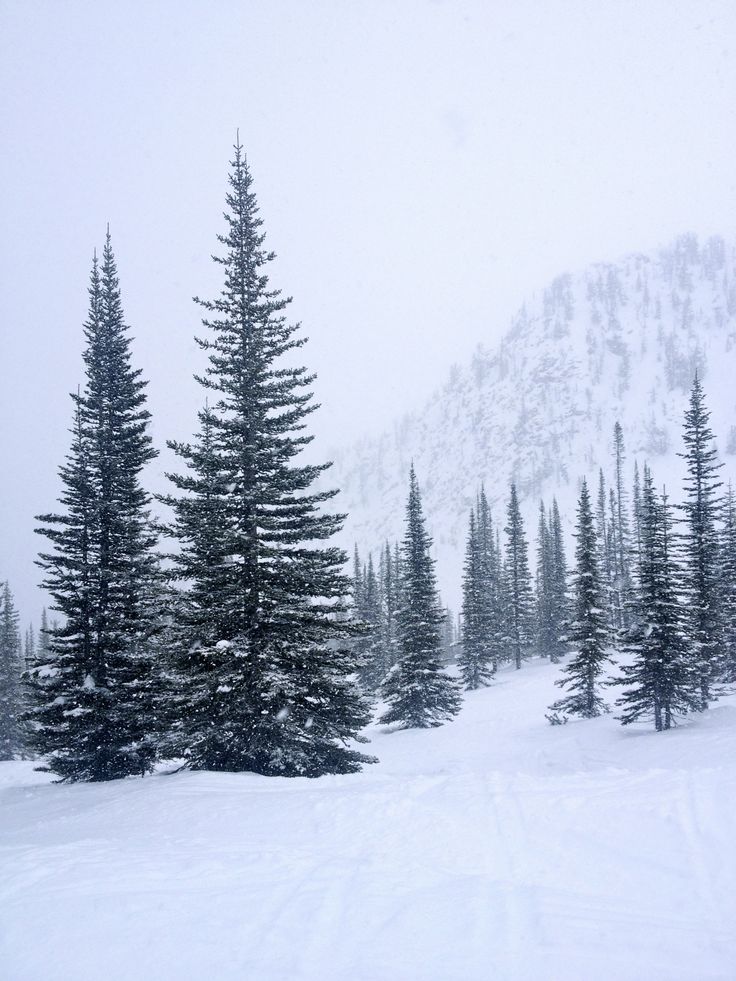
418	692
558	601
636	542
728	587
546	626
371	666
388	583
620	533
606	552
660	682
475	657
587	631
700	545
519	598
262	676
11	740
491	599
91	688
29	648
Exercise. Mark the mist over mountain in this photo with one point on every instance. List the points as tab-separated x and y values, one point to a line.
617	341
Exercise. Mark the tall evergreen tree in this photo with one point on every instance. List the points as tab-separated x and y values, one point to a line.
10	674
262	673
29	648
519	593
475	658
490	584
371	667
92	686
700	545
546	626
636	549
388	583
418	692
558	587
587	631
42	646
659	680
621	545
728	586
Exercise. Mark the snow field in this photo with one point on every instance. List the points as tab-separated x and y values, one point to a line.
494	847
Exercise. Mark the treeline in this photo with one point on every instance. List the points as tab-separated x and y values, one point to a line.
654	582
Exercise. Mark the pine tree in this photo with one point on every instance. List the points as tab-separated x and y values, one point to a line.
42	647
659	680
371	668
10	673
587	631
519	594
261	677
728	586
92	688
558	586
621	532
490	610
474	660
636	550
29	648
388	583
546	627
418	692
358	570
700	546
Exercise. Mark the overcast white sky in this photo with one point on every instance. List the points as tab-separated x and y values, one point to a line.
420	167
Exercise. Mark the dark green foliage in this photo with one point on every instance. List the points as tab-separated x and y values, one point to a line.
700	546
418	692
491	594
546	627
728	587
372	665
620	536
551	585
92	687
519	598
261	674
475	658
11	740
388	579
558	600
660	682
587	630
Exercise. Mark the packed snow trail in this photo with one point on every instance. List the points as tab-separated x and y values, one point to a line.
494	847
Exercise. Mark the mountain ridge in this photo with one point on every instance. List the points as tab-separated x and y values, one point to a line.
616	341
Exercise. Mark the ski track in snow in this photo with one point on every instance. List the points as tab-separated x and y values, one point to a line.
494	847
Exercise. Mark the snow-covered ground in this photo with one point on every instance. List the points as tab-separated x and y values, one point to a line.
496	847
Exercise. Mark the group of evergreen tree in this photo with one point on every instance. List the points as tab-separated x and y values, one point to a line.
376	601
504	617
666	597
249	664
405	634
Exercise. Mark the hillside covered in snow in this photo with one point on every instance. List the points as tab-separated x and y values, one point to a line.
617	341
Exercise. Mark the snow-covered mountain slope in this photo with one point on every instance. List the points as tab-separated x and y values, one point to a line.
617	341
495	847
